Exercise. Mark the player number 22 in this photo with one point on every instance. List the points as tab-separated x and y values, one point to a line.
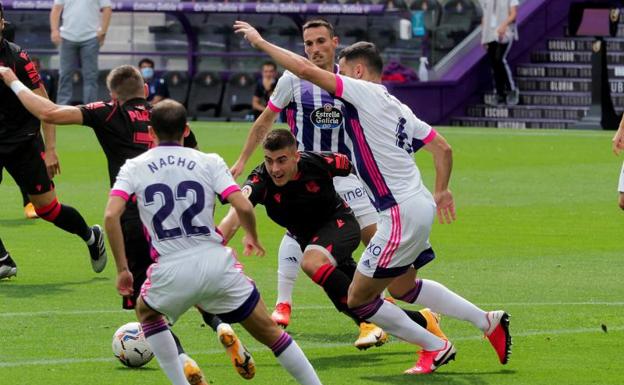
168	201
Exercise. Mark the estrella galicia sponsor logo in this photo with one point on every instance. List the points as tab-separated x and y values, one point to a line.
327	117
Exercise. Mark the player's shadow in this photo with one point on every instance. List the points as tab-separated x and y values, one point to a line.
141	369
11	288
361	360
322	337
443	377
17	222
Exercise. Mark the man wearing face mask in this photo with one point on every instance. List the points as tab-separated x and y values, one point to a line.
158	89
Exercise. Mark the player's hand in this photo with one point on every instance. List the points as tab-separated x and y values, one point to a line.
101	36
252	246
7	75
52	163
445	206
501	31
618	141
55	37
249	33
125	282
238	168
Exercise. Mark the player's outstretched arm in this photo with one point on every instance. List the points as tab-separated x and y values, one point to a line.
443	163
245	212
114	208
258	131
298	65
49	138
229	225
39	106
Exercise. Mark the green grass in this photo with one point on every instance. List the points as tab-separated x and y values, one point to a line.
538	234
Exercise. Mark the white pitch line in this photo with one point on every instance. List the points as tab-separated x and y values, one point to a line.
73	361
44	313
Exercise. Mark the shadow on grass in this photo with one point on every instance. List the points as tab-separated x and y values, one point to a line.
369	359
17	222
441	377
12	288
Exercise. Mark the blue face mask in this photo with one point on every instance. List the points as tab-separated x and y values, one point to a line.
147	72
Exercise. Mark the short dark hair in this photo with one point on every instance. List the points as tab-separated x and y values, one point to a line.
316	23
279	139
146	61
1	11
126	81
269	63
168	120
364	50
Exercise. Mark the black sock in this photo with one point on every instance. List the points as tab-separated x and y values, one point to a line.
177	342
336	286
3	251
66	218
25	199
417	317
211	320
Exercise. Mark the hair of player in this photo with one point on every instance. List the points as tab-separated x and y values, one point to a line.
278	140
269	63
366	51
1	11
126	82
146	60
317	23
168	120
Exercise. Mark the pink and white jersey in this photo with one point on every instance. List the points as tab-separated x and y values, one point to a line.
175	189
315	117
384	133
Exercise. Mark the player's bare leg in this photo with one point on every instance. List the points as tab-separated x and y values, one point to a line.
69	219
285	349
367	233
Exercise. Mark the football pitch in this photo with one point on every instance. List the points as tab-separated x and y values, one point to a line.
538	234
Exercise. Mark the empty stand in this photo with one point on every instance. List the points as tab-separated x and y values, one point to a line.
205	95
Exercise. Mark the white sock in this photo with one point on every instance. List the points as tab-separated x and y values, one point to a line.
288	264
183	357
164	348
442	300
394	321
296	363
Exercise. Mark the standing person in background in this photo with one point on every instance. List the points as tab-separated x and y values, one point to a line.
80	36
498	31
157	86
264	88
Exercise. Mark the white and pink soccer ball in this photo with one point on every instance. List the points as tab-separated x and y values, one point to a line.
130	346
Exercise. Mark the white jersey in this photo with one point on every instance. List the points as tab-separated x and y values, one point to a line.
384	133
175	189
315	117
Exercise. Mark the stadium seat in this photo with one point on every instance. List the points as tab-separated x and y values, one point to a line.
178	83
205	95
237	96
458	19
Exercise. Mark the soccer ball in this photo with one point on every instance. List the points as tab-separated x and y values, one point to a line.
130	346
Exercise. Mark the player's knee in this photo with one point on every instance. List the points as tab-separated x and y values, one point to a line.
312	262
621	201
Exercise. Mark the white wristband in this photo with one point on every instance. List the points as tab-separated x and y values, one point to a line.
17	87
